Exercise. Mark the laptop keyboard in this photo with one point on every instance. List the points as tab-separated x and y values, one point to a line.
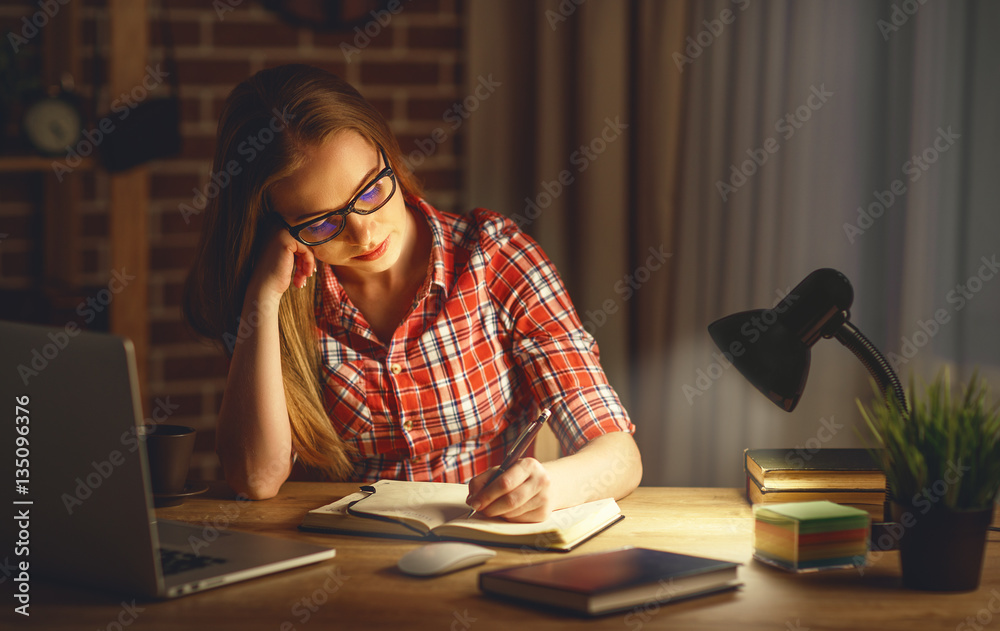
175	561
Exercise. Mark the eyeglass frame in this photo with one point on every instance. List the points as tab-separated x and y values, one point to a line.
346	210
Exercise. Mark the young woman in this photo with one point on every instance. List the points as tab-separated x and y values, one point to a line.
372	336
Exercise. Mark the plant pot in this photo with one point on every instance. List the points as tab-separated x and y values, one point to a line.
941	549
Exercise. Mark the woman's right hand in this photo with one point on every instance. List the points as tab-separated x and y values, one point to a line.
284	262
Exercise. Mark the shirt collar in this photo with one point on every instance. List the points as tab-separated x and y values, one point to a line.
332	302
440	253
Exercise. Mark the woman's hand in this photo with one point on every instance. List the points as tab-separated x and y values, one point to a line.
521	493
284	262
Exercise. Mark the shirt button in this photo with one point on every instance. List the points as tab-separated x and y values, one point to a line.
407	425
395	369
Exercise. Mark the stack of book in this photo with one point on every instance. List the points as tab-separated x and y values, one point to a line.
810	536
842	476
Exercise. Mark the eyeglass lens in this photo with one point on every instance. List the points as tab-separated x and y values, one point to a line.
371	199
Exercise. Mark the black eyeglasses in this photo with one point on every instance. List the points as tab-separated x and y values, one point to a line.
372	197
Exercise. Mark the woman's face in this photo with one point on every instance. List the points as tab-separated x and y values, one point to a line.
331	175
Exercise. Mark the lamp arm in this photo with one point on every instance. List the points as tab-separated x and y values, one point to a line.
876	363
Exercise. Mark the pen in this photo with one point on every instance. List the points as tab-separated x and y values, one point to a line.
517	450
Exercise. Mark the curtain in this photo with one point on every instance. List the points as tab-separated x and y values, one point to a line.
681	161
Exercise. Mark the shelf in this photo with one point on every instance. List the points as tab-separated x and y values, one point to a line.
14	164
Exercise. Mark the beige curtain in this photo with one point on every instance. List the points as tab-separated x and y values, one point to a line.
555	147
755	132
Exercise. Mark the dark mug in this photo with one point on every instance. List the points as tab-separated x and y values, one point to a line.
168	452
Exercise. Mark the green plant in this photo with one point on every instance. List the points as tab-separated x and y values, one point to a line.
945	450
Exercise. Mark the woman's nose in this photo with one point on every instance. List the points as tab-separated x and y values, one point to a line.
359	229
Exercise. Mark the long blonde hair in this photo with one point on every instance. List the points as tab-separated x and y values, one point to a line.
265	124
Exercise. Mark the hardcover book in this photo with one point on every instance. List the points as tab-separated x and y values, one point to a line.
870	501
613	580
844	476
823	469
437	511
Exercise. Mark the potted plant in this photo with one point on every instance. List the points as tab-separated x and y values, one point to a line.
942	464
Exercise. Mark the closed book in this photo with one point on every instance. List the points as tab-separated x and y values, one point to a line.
847	469
842	475
613	580
871	501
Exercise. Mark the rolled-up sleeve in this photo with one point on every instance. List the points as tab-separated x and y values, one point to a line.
558	357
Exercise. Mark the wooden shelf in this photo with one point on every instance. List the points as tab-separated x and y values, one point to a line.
14	164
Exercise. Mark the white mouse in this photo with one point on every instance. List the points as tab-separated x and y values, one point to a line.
443	557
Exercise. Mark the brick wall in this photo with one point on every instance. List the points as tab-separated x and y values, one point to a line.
408	64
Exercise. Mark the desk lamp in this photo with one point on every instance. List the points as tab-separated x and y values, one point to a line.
771	347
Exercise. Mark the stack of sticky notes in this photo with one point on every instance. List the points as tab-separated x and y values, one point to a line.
810	536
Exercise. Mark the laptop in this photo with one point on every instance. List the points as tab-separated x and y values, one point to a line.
86	499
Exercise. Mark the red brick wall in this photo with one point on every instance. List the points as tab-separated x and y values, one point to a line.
411	71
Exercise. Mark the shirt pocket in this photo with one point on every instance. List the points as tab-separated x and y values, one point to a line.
346	399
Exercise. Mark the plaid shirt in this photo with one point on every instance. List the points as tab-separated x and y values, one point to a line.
492	337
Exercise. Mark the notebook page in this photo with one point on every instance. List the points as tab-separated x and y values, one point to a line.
428	504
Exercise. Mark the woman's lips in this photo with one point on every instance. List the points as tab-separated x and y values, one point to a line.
374	254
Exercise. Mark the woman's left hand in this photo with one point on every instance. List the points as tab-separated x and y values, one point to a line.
522	493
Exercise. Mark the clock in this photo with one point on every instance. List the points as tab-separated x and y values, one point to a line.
52	124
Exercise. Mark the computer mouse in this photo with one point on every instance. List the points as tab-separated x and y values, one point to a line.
443	557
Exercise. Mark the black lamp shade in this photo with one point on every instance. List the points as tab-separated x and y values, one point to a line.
771	347
774	360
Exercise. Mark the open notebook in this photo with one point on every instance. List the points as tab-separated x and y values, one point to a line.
437	511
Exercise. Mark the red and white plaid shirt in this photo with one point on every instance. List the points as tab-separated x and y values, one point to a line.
491	339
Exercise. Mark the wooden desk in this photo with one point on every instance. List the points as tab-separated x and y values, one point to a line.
361	588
